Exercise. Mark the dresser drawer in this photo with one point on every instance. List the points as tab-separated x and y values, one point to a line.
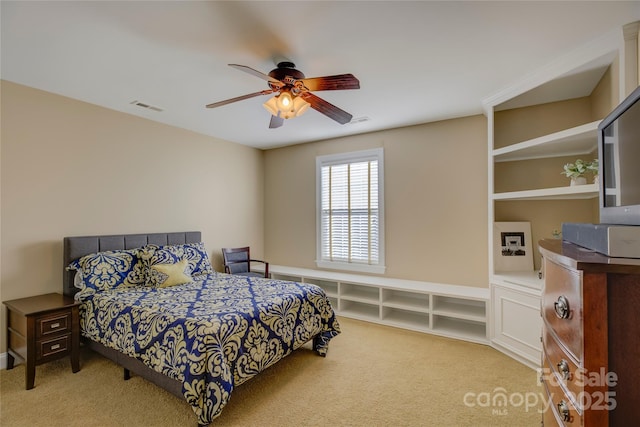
563	366
560	407
55	324
562	306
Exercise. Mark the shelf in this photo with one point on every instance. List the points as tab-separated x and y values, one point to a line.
405	300
406	319
366	294
460	308
588	191
330	287
464	329
575	141
359	310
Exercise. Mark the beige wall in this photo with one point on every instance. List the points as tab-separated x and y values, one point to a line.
435	200
72	168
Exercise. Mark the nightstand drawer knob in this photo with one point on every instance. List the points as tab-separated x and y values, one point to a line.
563	409
561	307
563	368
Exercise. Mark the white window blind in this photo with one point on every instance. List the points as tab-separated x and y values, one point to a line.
350	211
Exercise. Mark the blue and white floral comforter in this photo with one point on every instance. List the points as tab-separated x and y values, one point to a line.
211	334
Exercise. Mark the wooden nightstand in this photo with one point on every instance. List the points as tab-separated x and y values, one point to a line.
41	329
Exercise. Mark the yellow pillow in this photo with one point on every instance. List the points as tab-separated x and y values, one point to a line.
172	274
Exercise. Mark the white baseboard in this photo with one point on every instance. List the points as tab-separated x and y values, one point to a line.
3	361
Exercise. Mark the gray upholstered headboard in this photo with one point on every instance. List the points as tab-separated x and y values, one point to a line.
76	247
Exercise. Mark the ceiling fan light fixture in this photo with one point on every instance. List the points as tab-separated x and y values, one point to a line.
285	101
271	106
286	106
300	106
296	109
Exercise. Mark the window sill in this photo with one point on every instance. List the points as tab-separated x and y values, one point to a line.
356	268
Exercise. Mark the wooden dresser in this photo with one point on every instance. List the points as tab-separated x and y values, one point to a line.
590	336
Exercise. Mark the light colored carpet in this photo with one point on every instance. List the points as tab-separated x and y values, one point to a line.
372	376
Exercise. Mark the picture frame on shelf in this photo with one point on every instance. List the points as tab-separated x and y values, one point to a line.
512	246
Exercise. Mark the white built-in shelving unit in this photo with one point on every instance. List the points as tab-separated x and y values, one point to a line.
449	310
574	92
515	295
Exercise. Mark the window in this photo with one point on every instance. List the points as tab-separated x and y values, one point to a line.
350	216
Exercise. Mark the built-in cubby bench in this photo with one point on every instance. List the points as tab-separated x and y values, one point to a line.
448	310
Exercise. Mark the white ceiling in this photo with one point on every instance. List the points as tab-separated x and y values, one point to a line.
417	62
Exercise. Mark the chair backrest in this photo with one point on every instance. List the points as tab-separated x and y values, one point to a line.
236	260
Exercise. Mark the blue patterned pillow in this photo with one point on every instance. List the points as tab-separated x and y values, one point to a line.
107	270
194	253
197	256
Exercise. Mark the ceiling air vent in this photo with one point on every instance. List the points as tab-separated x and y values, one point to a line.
145	105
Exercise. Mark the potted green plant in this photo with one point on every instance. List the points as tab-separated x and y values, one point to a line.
576	172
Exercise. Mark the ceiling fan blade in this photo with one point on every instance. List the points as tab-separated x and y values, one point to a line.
256	73
327	108
276	122
239	98
338	82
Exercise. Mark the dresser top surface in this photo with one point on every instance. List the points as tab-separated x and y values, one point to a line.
585	259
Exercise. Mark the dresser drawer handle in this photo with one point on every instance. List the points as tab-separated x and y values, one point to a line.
54	325
563	408
55	346
562	307
563	368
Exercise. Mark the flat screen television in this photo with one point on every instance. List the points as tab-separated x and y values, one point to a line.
619	163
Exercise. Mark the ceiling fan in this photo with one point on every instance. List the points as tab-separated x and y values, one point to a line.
293	93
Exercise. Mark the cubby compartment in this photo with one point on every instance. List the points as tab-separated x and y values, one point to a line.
407	319
330	287
460	308
460	328
359	310
405	300
361	293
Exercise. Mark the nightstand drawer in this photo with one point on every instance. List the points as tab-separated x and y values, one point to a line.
51	347
58	323
562	306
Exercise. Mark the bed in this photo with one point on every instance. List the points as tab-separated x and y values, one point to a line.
153	304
